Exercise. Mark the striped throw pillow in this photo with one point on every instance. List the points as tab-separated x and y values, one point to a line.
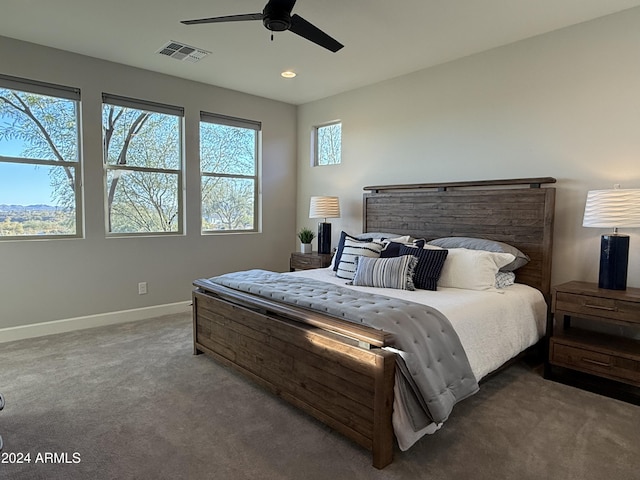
396	272
429	268
343	236
352	249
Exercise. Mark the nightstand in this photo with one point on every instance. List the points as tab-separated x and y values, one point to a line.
306	261
610	361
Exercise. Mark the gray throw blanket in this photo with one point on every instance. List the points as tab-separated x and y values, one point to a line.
435	367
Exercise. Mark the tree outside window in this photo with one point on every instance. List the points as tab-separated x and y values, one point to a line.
142	145
229	173
39	160
327	144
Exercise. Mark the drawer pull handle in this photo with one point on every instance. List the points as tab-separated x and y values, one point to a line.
600	307
596	362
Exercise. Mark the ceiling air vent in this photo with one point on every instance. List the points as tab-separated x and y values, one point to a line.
180	51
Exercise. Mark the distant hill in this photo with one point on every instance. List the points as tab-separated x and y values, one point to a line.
28	208
41	219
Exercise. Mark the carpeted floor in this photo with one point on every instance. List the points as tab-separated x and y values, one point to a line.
131	402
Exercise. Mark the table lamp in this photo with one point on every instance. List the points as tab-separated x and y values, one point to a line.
613	209
324	207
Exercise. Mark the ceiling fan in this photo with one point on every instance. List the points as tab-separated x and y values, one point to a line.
277	17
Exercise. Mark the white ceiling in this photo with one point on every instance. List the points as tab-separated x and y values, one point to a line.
382	38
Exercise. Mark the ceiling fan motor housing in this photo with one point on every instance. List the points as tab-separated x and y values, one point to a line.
274	20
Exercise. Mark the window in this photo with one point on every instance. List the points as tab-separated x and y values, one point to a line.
327	144
39	160
143	166
229	173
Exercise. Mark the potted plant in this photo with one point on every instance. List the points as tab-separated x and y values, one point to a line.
305	235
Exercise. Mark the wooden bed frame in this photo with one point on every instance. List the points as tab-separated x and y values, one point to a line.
337	371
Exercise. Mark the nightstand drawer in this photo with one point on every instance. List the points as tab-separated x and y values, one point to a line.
301	261
595	362
590	306
305	261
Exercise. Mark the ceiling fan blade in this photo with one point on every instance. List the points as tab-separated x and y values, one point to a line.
281	5
301	27
228	18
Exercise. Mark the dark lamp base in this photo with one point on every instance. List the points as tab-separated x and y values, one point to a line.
614	259
324	237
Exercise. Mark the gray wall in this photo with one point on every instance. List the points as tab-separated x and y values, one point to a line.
61	279
565	104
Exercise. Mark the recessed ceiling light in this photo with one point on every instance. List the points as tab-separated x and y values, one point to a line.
288	74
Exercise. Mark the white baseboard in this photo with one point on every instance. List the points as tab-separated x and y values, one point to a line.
67	325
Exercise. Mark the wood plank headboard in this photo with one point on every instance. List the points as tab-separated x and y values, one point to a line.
519	212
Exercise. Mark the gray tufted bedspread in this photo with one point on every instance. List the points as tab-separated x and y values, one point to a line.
435	367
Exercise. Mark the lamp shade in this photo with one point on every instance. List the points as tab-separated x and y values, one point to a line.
324	207
612	208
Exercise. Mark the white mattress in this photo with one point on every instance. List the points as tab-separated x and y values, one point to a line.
493	327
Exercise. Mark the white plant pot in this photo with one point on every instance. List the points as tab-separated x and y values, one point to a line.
305	247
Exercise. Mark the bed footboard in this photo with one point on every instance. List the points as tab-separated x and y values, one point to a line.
328	375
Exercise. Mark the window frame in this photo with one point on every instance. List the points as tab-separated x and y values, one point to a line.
315	155
151	107
225	120
60	92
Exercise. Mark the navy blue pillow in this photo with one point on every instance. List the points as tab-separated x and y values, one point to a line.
420	242
340	248
429	268
393	248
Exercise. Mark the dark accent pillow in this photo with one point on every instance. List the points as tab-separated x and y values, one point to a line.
392	249
419	242
429	268
340	248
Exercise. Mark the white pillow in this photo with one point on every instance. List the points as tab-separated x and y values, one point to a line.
472	269
404	239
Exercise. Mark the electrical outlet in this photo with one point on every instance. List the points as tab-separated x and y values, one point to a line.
142	288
